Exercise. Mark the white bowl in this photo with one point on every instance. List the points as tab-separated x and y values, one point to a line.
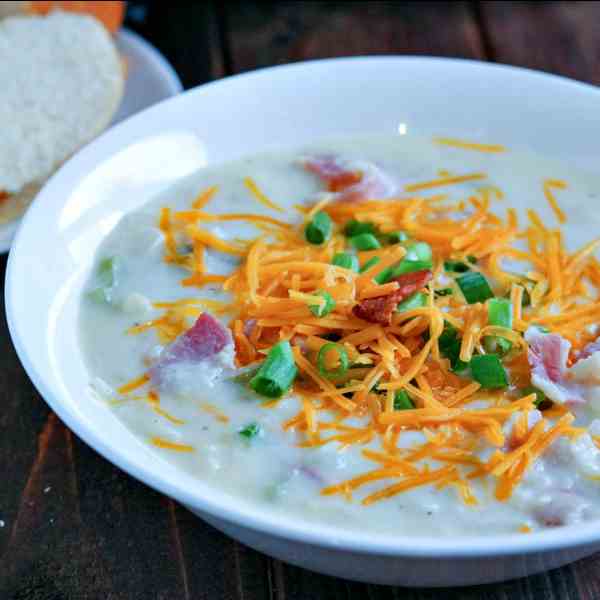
287	105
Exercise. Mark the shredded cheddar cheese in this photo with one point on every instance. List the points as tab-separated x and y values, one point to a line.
168	445
469	145
281	279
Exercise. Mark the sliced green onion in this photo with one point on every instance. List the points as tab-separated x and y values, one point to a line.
106	275
472	259
342	358
319	229
370	263
407	266
324	309
395	237
499	315
447	336
474	287
540	397
500	312
402	400
401	268
449	344
345	260
277	373
251	430
418	300
494	344
487	370
443	292
355	227
419	251
456	266
365	241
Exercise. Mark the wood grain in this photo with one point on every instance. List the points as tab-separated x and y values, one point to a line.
558	37
77	527
263	34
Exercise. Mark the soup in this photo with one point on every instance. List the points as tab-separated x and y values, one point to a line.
391	334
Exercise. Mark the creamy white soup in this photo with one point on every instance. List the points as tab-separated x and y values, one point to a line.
390	334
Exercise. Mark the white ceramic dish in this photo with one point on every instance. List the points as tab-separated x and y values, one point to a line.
289	106
150	79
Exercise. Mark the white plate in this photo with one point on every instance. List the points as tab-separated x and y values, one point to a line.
150	79
290	105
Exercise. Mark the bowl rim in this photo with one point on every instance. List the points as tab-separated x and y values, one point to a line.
248	515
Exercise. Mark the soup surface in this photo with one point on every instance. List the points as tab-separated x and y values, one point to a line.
386	333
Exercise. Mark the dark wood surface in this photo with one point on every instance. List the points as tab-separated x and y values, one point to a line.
72	525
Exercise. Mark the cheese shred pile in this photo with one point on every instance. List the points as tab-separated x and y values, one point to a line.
278	290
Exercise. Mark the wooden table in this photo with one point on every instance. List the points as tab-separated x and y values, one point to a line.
72	525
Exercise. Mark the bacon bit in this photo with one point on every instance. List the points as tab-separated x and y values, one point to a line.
547	355
380	309
331	172
204	339
350	185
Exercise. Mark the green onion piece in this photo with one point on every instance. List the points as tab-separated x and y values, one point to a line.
402	400
418	251
106	274
456	266
365	241
384	276
448	335
443	292
499	315
370	263
342	357
324	309
355	227
540	397
474	287
345	260
107	271
494	344
472	259
395	237
319	229
417	300
488	371
101	295
526	299
500	312
277	373
449	344
251	430
406	266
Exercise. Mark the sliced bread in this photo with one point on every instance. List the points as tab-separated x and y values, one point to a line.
63	81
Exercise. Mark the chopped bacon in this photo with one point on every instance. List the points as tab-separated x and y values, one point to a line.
206	338
350	181
548	354
380	309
